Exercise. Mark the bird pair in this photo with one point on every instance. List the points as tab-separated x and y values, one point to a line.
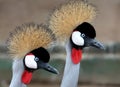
69	23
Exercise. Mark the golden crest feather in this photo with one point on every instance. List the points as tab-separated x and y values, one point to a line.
68	16
27	38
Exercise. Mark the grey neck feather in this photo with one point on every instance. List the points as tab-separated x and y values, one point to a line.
18	69
71	71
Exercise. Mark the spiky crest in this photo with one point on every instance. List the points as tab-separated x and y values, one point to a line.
68	16
28	37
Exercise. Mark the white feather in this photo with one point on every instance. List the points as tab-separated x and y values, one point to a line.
77	39
30	61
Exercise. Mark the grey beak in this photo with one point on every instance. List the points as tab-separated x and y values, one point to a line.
48	67
96	44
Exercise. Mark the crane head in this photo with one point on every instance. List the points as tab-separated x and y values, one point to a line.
36	59
83	36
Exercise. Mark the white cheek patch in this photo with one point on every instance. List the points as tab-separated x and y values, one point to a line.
77	39
30	62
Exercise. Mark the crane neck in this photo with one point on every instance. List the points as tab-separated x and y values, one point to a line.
71	70
18	69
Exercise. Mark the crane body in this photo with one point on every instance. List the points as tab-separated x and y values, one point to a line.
71	23
17	71
27	46
71	70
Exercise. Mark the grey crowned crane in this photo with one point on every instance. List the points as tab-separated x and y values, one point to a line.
27	45
71	24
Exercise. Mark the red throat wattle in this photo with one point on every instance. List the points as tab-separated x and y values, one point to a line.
26	77
76	55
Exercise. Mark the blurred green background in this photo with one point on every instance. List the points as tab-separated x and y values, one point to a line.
97	67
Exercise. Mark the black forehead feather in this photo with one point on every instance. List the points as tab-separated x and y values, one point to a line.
87	29
42	54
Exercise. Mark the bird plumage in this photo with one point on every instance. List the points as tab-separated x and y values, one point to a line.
68	16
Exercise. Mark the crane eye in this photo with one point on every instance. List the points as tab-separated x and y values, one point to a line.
36	59
82	35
